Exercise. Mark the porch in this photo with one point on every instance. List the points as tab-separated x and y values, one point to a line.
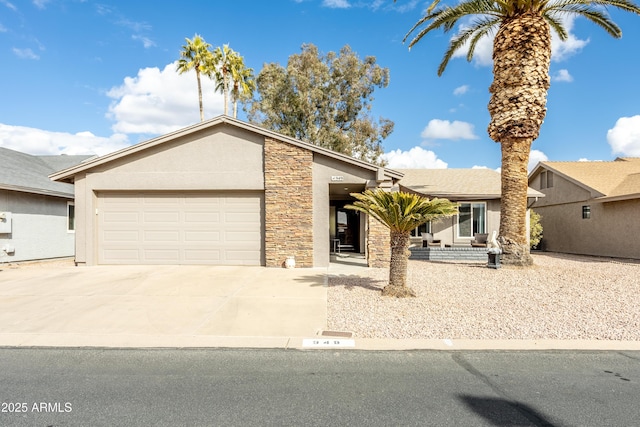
455	253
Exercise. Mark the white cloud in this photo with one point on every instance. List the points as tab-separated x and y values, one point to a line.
41	4
444	129
461	90
9	5
158	102
42	142
146	41
561	50
415	158
535	157
562	76
25	53
624	138
336	4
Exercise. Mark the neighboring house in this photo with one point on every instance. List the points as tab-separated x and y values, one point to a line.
476	190
590	208
224	192
36	214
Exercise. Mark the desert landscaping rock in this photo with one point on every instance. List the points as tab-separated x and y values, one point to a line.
560	297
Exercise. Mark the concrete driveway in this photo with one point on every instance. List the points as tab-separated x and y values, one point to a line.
160	306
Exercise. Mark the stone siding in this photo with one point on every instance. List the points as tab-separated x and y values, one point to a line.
288	204
449	254
378	244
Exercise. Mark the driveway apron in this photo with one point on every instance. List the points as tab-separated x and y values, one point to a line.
158	305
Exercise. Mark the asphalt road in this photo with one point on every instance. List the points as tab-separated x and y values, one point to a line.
214	387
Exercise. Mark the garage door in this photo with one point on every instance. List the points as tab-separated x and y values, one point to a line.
180	228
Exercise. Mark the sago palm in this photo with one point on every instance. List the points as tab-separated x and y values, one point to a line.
400	212
521	56
195	55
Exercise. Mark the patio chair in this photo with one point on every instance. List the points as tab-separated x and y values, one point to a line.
429	241
480	240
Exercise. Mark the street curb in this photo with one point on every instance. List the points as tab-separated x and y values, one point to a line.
301	343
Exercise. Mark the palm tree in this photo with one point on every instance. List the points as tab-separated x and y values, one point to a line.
243	82
521	56
194	56
400	212
224	58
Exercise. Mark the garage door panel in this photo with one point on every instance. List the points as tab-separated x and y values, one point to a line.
162	236
203	217
170	256
175	228
202	236
121	236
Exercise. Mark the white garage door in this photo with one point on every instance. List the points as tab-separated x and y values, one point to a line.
180	228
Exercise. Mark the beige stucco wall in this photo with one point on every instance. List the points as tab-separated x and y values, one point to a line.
222	158
324	168
611	230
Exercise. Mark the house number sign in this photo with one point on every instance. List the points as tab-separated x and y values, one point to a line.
328	342
337	178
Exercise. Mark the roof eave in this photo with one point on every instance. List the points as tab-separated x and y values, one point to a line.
67	174
40	191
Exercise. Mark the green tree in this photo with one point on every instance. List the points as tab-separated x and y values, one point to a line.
195	55
401	212
325	100
521	56
535	228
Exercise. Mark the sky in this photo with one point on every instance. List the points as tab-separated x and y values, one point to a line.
92	77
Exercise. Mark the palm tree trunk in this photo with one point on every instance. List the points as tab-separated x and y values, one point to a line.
397	286
521	57
200	95
514	178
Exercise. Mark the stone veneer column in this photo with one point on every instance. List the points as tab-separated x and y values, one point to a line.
378	244
288	204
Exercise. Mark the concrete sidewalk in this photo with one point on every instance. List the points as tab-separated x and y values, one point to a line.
199	306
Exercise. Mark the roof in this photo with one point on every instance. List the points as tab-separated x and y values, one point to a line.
456	184
68	174
27	173
607	181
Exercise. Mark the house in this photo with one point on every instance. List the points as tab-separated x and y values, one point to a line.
36	214
478	193
224	192
590	208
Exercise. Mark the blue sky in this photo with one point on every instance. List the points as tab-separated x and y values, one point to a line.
84	76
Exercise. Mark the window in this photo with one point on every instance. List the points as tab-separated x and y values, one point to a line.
71	217
472	218
586	212
424	228
546	179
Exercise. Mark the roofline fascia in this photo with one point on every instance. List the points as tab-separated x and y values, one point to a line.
88	164
37	191
623	197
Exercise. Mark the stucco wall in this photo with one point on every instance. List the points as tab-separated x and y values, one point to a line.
39	227
222	158
612	230
323	169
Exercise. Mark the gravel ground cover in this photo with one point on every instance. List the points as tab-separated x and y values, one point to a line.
561	297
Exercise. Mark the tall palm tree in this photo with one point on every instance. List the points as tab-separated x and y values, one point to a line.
194	55
521	56
400	212
224	58
243	81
